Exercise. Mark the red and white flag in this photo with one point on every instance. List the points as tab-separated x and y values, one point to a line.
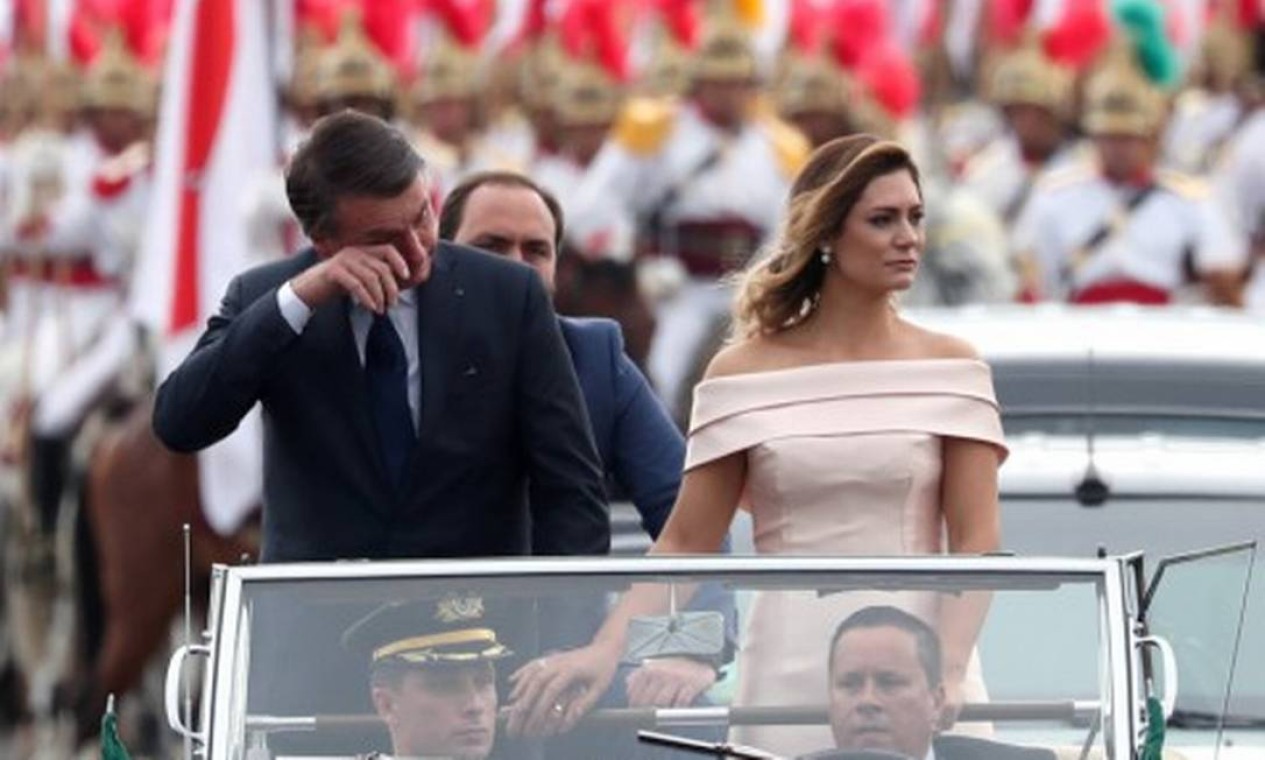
216	128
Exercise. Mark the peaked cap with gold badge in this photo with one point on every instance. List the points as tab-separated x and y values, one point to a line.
455	629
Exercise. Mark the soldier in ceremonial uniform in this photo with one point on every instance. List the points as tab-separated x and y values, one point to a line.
704	178
447	113
1034	96
83	340
1207	116
1122	231
433	674
1239	178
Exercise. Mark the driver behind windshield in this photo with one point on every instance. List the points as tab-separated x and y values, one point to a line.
886	693
433	675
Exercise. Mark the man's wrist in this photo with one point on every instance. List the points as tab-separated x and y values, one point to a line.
295	312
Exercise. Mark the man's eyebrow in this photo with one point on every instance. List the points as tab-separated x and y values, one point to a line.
381	232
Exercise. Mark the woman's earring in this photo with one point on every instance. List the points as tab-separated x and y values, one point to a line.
825	255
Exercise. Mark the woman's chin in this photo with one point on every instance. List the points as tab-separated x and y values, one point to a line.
901	283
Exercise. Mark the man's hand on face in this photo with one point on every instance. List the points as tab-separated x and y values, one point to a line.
669	682
371	274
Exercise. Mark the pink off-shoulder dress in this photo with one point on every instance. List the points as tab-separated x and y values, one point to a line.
842	459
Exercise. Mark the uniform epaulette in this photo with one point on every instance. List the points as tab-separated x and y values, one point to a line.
1182	184
643	125
790	146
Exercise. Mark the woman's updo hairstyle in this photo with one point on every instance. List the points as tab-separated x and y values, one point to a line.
780	289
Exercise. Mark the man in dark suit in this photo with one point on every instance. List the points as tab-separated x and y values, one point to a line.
414	392
886	693
642	451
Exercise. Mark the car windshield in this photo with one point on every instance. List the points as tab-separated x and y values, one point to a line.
812	656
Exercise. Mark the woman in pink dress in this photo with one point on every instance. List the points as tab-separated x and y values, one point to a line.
843	428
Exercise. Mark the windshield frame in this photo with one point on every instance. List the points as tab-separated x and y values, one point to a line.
220	687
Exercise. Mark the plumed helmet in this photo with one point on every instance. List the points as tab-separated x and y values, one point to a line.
352	67
725	52
1120	99
812	83
449	70
586	93
1226	53
1026	76
116	79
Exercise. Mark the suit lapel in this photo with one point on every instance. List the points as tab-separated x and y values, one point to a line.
439	318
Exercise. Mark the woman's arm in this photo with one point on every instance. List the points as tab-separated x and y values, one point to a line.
550	694
968	498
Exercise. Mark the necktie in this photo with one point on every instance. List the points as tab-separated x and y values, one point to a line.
386	373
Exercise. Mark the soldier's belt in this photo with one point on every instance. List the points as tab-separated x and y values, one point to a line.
76	272
712	249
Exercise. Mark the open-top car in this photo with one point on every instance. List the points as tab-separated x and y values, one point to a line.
1074	658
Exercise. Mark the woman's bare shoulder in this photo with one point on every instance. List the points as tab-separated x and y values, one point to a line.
936	345
746	355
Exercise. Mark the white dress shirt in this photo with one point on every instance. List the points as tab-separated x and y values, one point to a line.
403	317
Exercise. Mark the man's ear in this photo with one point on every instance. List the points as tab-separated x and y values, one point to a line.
939	697
384	703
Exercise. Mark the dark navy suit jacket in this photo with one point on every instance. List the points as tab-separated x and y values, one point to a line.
504	464
642	450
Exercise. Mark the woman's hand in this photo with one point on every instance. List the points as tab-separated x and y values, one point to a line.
550	694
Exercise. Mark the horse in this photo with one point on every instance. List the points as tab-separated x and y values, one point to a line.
137	497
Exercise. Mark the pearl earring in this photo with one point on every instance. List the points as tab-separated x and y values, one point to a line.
825	255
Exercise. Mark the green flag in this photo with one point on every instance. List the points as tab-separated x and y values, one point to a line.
1153	747
111	746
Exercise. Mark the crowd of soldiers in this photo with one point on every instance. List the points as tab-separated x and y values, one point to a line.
1088	182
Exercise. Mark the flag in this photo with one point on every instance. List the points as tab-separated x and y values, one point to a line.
217	129
111	745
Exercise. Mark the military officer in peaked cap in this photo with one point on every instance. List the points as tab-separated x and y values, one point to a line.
432	672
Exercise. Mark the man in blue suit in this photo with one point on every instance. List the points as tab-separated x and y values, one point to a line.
641	450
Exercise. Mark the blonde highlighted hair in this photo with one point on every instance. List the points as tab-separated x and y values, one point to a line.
781	287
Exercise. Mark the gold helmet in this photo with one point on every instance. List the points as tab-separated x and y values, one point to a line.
1226	53
21	86
539	74
725	52
1025	76
353	67
668	72
811	83
116	79
449	71
1121	100
585	94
